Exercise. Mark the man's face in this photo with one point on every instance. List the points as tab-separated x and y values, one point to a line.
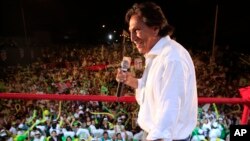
143	36
105	136
54	133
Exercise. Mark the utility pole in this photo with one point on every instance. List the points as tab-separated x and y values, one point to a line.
212	60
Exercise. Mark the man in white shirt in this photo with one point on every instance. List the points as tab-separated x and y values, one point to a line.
167	92
38	136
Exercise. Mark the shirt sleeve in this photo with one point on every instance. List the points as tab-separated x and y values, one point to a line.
168	100
139	92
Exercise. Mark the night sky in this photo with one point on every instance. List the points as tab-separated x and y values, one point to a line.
82	20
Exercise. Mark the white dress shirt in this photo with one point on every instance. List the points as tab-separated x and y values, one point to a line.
167	92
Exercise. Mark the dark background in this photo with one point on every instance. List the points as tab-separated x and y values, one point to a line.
82	20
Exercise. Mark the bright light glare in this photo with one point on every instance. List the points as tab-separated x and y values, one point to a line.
110	36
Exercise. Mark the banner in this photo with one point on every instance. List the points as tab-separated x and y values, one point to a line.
96	67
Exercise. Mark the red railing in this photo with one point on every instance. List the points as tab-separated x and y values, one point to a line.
201	100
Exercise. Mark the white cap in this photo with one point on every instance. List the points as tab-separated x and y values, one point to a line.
80	112
215	124
80	107
76	115
20	126
3	133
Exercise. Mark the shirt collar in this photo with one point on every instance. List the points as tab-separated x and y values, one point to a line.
158	47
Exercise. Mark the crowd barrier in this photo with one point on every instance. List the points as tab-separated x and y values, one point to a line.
245	100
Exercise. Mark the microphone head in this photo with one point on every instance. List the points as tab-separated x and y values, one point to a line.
125	64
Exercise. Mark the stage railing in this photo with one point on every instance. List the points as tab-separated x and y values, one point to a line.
201	100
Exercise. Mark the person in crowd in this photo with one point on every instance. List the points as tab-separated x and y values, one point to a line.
105	137
69	138
54	136
38	136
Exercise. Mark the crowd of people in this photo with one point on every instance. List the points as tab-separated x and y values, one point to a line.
42	120
91	71
69	71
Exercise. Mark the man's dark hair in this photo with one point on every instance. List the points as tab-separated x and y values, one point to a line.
152	15
105	132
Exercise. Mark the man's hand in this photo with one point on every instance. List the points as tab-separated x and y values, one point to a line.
127	77
121	76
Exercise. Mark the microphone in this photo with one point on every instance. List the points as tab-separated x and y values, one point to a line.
125	65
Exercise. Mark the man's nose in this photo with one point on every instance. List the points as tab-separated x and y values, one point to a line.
133	36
